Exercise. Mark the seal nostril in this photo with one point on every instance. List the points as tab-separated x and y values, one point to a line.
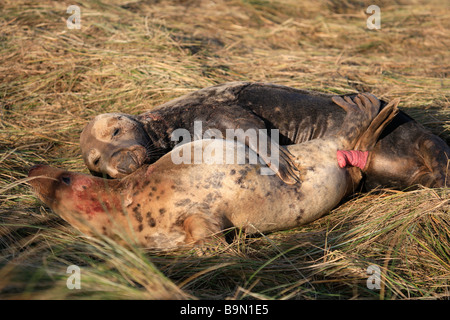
66	180
128	163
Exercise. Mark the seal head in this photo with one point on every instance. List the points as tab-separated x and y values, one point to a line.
78	198
115	144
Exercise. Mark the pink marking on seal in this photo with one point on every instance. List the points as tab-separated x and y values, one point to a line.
352	158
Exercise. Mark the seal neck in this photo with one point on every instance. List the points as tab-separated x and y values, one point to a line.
158	131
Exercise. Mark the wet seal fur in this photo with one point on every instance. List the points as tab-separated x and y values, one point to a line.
405	155
166	206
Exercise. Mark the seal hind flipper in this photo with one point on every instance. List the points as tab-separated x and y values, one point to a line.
369	138
363	123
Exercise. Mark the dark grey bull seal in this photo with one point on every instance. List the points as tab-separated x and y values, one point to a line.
405	155
166	205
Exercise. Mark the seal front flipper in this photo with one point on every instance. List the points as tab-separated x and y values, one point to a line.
278	159
287	170
201	230
240	125
282	163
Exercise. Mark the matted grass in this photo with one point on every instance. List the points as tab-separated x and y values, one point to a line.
130	56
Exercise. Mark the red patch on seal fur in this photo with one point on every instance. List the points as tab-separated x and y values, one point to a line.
352	158
88	200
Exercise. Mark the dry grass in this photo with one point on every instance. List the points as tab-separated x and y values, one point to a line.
130	56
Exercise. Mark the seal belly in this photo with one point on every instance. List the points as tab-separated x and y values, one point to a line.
269	205
321	178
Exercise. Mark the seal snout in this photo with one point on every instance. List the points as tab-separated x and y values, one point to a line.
43	176
127	161
42	180
32	171
44	171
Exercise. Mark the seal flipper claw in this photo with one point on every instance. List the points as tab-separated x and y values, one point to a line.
287	170
348	105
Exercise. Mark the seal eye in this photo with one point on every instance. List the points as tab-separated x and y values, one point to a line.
116	132
66	180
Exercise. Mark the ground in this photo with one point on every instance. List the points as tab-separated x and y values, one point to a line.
130	56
